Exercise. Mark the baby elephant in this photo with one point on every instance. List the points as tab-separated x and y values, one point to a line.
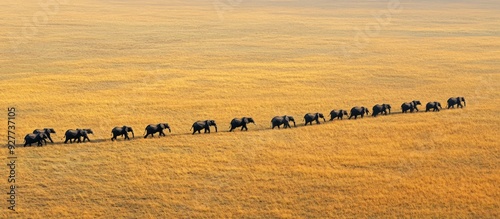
433	105
32	138
310	117
235	123
152	129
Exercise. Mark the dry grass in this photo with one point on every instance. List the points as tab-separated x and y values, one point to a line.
101	64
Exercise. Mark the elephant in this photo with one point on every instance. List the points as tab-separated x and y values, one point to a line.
74	135
433	105
120	131
381	109
282	120
199	125
47	132
236	122
152	129
339	114
310	117
358	111
456	101
32	138
85	136
412	106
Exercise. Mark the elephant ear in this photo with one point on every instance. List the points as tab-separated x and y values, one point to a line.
245	119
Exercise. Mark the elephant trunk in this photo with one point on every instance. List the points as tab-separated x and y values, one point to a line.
464	101
132	134
169	130
215	128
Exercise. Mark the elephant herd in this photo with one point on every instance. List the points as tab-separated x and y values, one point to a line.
40	136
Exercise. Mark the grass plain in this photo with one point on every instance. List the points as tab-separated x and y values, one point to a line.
101	64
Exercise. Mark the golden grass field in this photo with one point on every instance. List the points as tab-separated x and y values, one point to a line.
101	64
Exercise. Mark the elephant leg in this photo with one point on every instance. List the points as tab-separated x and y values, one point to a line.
146	136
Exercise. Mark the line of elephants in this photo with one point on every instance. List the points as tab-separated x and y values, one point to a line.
40	136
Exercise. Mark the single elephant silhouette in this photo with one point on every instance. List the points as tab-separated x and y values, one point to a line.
381	109
435	106
339	114
285	120
359	111
310	117
456	101
122	131
199	125
236	122
411	106
152	129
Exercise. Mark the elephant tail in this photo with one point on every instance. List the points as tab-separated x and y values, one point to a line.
191	128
